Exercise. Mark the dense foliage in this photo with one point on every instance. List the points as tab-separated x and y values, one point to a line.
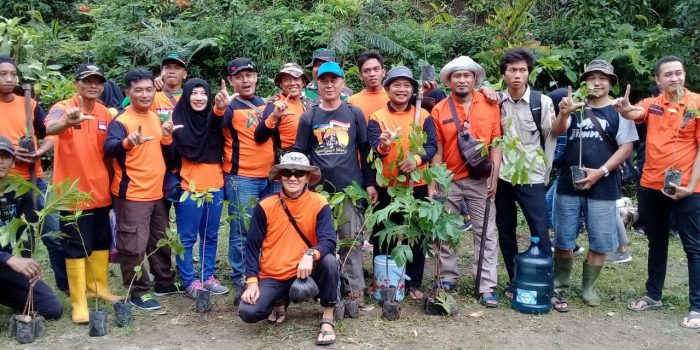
51	38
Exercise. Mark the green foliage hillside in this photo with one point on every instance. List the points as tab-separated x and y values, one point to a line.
51	38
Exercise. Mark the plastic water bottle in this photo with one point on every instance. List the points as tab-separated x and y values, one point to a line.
534	280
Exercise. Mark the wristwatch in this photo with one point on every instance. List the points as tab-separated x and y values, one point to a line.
606	172
310	252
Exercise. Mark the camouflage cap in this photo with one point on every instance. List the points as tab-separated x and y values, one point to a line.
323	54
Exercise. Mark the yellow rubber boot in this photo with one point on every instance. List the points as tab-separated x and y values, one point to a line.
75	269
96	276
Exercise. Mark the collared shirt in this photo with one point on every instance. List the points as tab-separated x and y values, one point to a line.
672	140
309	94
485	126
523	125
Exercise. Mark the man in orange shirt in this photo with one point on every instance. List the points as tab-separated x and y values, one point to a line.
471	110
246	162
673	141
373	97
291	236
81	125
282	117
173	71
134	140
13	125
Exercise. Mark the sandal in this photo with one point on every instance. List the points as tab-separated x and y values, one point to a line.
649	304
509	292
490	301
558	301
323	333
692	321
445	286
414	293
279	317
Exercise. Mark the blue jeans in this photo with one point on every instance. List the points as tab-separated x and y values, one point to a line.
242	194
193	221
601	224
57	259
551	193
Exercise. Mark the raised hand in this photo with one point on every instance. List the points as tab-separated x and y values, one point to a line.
223	98
75	116
280	111
388	136
168	127
136	138
622	104
567	104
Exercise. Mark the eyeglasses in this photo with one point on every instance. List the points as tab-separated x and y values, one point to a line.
296	173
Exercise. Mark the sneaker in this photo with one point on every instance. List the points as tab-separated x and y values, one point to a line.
578	250
215	287
194	289
175	288
618	257
145	302
467	222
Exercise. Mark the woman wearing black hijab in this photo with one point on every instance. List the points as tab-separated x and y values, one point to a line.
199	148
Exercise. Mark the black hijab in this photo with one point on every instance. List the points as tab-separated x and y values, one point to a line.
201	140
112	95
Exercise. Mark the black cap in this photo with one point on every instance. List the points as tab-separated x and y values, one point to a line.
89	70
6	145
173	57
240	64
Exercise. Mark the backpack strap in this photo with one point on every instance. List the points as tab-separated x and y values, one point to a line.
536	110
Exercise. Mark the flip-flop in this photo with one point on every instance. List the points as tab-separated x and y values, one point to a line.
412	293
278	315
486	299
649	304
691	317
324	333
558	300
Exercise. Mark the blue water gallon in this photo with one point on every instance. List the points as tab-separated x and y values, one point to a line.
534	280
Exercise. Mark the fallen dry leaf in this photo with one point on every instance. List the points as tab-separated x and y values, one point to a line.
414	333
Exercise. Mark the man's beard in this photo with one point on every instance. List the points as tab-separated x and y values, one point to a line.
462	94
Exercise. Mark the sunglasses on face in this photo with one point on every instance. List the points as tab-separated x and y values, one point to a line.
296	173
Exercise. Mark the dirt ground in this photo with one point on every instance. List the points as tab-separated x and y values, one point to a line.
177	326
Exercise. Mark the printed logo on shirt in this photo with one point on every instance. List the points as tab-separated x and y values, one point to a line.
55	113
252	120
8	211
101	125
332	137
589	130
656	109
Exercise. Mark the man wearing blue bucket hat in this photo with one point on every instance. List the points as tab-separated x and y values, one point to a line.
334	136
397	120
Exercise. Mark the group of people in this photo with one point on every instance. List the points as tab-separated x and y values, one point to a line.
173	135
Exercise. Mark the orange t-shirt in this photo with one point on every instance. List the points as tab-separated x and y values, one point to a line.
79	152
369	102
162	104
138	171
243	156
204	176
13	125
484	123
288	124
393	120
662	147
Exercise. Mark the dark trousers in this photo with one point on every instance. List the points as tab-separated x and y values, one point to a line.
326	274
657	211
92	233
14	291
140	225
415	268
533	203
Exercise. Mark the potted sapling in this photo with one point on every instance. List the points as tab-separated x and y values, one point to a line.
353	194
122	308
673	175
28	326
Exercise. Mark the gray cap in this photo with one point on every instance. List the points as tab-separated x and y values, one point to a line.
601	66
6	145
399	72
